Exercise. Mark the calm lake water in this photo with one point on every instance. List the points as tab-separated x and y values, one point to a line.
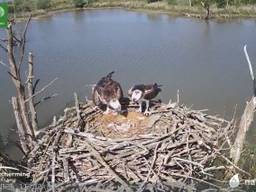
204	60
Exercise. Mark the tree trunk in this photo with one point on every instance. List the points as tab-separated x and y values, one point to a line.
21	132
15	76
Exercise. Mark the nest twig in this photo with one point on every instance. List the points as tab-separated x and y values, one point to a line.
179	154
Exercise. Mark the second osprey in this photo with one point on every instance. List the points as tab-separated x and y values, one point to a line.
140	93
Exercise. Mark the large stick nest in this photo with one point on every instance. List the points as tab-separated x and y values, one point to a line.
174	147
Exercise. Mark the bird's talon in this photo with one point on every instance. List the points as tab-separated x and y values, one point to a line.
147	113
114	113
106	112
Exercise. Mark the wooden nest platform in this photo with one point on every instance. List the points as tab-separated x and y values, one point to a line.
174	147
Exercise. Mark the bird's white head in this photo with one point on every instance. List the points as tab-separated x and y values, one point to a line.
115	105
136	95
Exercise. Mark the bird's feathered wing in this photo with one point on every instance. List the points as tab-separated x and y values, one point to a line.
140	87
148	91
151	91
106	89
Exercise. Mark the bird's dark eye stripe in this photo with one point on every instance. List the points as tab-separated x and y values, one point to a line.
109	106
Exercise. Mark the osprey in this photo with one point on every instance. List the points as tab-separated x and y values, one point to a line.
107	94
140	93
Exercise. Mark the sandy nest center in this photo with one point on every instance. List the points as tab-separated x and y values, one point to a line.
122	126
129	124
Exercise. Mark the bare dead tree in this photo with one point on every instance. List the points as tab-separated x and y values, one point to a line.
23	103
22	112
246	119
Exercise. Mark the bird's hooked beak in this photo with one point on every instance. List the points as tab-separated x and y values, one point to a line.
136	96
115	105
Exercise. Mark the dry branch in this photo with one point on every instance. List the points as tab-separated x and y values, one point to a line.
21	131
22	43
183	155
33	115
41	90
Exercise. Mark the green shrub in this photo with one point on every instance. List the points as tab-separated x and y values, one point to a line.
220	3
43	4
248	159
151	1
196	3
248	2
89	1
11	8
172	2
24	6
79	3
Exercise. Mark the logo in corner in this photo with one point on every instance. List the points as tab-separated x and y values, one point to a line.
2	11
234	181
3	15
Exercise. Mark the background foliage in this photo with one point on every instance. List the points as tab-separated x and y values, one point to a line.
31	5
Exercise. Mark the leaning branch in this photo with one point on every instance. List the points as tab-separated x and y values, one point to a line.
3	47
45	99
23	43
3	64
40	91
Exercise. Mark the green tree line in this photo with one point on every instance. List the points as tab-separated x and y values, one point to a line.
219	3
31	5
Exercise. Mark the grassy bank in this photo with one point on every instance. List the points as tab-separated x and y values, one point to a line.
184	10
243	11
